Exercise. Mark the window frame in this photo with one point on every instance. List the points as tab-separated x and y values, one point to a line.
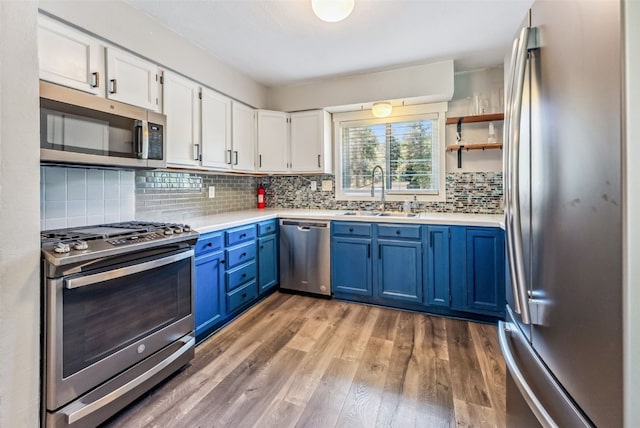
399	114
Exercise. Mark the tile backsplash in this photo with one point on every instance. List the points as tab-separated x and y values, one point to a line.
85	196
178	196
467	192
71	197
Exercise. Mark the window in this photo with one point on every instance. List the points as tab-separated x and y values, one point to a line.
408	147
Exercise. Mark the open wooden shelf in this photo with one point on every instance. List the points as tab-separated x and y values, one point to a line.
474	119
456	147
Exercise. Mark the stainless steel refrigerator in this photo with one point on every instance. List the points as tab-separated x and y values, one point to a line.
562	338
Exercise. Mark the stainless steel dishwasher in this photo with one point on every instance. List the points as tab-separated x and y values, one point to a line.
305	263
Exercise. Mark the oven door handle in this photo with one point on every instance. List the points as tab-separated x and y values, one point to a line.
84	411
95	278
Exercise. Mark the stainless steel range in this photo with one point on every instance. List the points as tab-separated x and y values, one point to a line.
118	316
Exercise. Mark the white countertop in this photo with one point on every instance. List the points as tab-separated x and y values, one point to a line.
213	223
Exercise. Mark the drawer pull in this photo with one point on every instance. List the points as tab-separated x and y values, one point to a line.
244	235
209	244
351	229
244	295
244	255
244	275
397	232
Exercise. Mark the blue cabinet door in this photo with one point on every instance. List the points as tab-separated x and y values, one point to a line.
485	270
209	293
267	263
351	266
399	270
437	278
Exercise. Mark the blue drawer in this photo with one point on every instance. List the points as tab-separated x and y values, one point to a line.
240	276
208	242
240	235
242	296
267	227
351	229
241	254
399	231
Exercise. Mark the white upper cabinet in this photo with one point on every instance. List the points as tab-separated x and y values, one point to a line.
131	79
311	142
243	138
69	57
216	130
273	141
182	108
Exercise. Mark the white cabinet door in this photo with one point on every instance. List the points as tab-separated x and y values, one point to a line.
244	138
273	141
131	79
311	141
69	57
182	108
216	130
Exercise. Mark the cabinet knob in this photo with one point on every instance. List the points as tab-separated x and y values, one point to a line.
244	295
397	232
244	255
209	244
221	262
351	229
262	247
244	275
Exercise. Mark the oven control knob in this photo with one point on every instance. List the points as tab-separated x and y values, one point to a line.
80	245
186	228
177	229
168	231
61	248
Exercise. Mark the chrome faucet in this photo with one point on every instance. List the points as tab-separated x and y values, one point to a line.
373	183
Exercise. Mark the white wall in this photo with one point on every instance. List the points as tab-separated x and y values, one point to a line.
124	25
19	220
484	83
432	82
631	290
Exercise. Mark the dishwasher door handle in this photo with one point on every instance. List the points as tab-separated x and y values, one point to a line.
304	228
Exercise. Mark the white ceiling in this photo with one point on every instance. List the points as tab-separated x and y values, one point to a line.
281	42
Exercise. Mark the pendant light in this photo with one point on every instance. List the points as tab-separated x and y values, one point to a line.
381	109
332	10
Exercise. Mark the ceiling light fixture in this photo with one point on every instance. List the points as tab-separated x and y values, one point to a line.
332	10
382	109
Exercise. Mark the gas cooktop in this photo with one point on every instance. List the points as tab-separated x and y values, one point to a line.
86	242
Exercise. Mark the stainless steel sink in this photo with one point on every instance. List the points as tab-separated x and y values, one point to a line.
380	214
362	213
397	214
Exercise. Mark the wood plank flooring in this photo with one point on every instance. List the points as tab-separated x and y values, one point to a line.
295	361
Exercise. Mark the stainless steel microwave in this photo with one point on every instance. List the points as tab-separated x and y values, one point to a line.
84	129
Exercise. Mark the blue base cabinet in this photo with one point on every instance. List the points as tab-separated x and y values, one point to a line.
437	265
351	271
447	270
478	270
267	256
233	268
209	296
399	265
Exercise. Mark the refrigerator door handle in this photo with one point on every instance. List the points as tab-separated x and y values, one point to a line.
507	177
505	329
526	41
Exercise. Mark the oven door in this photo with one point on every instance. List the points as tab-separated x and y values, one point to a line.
101	322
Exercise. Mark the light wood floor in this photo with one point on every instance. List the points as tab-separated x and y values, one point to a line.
294	361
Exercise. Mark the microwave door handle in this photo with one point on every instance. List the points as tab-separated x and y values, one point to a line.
137	138
145	140
93	279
